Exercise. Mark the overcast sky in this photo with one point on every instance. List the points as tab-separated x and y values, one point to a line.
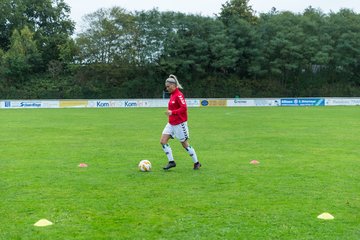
204	7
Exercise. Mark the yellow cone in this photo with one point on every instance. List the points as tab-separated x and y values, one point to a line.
43	223
326	216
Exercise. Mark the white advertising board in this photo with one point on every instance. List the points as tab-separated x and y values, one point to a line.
342	101
131	103
191	102
256	102
30	104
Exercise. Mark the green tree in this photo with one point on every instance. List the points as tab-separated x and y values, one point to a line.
23	56
238	9
241	29
48	19
151	30
275	54
108	36
186	47
282	46
344	29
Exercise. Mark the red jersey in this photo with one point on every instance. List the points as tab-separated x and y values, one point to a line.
177	105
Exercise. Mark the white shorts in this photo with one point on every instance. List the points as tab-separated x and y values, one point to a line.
180	131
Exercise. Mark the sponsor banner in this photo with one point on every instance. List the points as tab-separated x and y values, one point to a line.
128	103
153	103
73	103
159	102
192	103
242	102
104	104
213	102
135	103
302	102
267	102
50	104
342	101
237	102
30	104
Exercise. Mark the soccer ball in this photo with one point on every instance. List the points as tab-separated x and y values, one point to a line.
145	166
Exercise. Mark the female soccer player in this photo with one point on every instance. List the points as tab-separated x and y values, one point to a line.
177	125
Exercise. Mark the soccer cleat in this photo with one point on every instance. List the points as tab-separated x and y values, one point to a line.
171	164
197	166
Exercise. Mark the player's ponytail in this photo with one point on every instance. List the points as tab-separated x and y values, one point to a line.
172	79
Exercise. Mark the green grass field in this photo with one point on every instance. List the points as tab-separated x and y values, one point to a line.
309	164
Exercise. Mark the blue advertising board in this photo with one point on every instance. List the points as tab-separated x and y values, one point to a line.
302	102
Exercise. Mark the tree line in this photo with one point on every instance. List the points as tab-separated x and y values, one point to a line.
122	54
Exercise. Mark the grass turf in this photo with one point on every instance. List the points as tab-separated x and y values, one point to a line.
309	164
